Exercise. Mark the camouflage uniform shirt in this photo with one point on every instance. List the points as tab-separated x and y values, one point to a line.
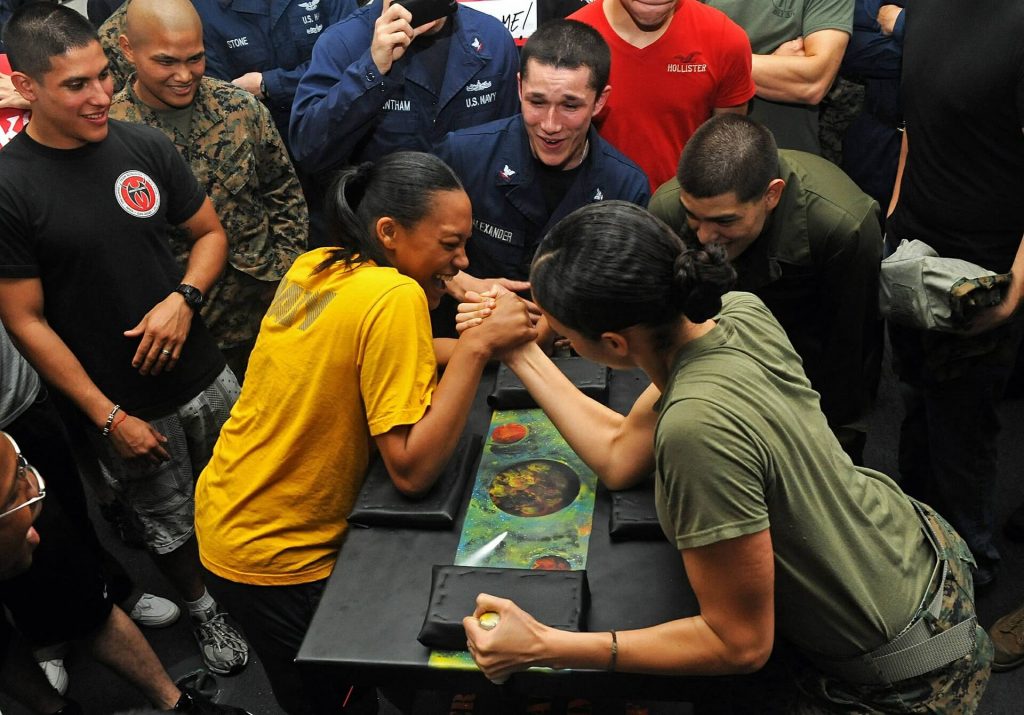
237	155
109	32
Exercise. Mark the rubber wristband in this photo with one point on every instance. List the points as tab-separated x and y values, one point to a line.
615	652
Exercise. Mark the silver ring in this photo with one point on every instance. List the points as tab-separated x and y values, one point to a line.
165	351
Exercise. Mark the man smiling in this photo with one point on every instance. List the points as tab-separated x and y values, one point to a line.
524	173
234	150
804	239
90	293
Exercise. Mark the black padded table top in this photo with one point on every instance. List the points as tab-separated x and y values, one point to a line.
373	606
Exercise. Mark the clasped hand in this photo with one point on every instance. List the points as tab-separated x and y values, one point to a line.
510	323
476	307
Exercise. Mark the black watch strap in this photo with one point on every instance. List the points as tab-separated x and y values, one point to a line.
193	296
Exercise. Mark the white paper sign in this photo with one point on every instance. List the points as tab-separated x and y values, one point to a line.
519	16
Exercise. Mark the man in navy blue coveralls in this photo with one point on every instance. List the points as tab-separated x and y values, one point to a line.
376	84
525	173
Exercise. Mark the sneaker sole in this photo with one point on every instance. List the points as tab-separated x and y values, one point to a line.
165	623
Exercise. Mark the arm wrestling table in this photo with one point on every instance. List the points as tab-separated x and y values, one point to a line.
365	627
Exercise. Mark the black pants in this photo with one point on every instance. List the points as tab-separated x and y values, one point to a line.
951	388
275	620
63	595
43	439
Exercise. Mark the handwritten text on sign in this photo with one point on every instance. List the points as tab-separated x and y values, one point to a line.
519	16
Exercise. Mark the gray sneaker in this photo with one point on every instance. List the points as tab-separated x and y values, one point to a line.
154	612
224	650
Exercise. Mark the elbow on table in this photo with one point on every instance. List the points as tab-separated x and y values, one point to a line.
618	479
743	661
413	483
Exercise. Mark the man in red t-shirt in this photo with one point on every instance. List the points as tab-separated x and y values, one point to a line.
675	63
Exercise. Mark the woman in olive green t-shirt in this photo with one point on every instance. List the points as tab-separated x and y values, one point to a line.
778	531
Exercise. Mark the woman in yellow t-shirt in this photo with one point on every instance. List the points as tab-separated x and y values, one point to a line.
344	363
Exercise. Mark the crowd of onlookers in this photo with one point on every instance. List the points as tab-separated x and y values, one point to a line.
263	151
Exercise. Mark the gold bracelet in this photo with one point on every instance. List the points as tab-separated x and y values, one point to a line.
615	652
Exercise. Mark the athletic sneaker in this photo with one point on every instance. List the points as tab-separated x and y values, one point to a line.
192	701
56	673
154	612
224	650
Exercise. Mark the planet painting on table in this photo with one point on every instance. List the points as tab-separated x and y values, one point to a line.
531	507
536	487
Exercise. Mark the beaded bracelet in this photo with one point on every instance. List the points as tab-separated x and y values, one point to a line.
110	420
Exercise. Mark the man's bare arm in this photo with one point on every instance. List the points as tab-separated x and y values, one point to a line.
804	76
21	310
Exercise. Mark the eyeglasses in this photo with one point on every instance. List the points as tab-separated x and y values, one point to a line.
26	474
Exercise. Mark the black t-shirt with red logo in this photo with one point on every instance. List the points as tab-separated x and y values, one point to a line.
91	223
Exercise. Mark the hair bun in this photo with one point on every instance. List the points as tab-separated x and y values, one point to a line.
354	181
701	277
362	171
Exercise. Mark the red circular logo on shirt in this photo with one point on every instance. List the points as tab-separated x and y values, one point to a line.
137	194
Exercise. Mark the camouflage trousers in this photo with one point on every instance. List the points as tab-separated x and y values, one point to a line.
954	688
843	102
235	306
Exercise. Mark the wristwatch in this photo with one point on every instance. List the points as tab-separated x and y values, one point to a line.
193	296
263	90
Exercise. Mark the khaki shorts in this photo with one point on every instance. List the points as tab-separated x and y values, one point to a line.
161	497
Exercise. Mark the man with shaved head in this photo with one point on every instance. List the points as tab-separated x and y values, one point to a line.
235	151
91	295
262	46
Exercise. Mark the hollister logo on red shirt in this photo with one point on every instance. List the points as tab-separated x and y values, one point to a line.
685	64
137	194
